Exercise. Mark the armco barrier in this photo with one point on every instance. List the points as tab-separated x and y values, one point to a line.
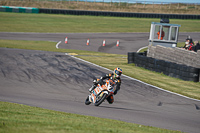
180	71
118	14
18	9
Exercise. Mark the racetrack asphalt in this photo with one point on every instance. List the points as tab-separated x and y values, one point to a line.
128	42
60	82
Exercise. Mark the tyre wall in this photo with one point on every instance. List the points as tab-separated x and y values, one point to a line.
118	14
181	71
18	9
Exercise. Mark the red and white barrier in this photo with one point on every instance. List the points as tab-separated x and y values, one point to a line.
104	42
66	40
88	42
117	43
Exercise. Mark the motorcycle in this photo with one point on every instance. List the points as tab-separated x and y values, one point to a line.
101	92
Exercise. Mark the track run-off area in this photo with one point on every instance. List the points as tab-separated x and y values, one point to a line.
60	82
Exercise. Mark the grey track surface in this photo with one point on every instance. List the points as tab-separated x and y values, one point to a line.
129	42
55	81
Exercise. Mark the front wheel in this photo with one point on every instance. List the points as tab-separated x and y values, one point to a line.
100	99
87	101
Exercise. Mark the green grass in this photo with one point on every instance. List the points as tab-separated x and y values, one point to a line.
24	22
17	118
20	118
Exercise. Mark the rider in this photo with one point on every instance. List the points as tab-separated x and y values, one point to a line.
115	76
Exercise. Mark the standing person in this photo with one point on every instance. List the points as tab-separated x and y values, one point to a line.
114	77
162	34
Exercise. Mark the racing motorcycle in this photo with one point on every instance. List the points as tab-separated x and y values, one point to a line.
101	92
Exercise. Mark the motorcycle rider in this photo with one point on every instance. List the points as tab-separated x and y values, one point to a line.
115	77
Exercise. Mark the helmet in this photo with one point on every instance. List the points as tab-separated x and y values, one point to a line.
117	72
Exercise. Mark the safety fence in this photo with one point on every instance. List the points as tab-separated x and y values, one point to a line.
18	9
119	14
184	72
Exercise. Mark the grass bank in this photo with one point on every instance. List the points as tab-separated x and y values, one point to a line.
21	118
121	6
50	23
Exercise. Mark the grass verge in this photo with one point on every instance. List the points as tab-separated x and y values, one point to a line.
24	22
21	118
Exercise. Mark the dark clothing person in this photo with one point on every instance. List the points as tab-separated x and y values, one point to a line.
116	80
189	44
196	47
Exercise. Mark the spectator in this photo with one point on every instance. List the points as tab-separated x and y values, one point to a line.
186	45
162	34
196	47
189	44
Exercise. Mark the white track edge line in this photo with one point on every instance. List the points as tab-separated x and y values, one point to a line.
58	44
141	48
135	79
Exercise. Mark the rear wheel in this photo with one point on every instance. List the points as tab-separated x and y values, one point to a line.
100	99
87	101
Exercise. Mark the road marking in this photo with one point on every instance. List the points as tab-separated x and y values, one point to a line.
135	79
58	44
141	48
